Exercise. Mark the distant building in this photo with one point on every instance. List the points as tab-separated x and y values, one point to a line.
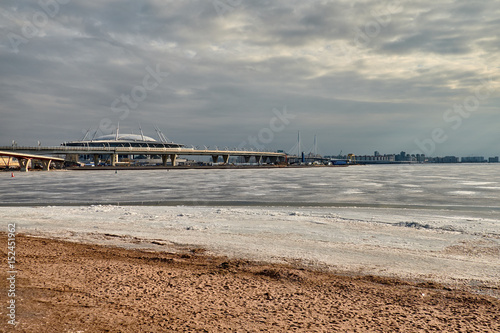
473	159
446	159
450	159
376	159
123	140
403	157
420	158
493	159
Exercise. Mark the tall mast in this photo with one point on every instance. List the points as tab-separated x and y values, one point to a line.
163	137
315	149
160	134
86	135
142	134
298	144
95	133
117	130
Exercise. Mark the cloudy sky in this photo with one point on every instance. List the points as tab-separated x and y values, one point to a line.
418	76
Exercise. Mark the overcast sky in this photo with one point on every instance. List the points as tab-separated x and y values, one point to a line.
418	76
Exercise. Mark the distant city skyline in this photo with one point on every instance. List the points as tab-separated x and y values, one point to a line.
420	77
403	156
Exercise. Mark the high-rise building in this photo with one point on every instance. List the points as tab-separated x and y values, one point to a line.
473	159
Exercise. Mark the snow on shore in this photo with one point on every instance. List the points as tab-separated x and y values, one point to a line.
413	244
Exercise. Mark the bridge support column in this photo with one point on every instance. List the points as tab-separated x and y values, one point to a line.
258	159
46	164
24	163
96	160
273	159
215	158
247	158
114	159
225	158
173	158
164	159
72	157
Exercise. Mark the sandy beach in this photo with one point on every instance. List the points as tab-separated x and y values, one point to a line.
72	287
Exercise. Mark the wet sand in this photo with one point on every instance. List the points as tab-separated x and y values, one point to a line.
71	287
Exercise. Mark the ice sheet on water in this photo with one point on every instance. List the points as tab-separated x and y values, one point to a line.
419	185
476	183
463	193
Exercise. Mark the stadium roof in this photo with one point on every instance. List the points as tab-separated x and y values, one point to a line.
124	137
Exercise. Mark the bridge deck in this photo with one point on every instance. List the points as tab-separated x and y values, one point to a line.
30	156
136	151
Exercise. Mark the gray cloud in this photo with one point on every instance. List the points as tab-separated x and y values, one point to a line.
361	75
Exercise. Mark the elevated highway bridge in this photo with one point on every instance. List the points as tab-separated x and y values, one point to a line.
72	153
25	159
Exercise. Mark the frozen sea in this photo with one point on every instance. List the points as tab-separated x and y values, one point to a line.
438	222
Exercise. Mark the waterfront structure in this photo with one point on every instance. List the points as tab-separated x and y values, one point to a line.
113	146
123	140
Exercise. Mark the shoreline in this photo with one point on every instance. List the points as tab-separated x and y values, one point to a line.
71	286
413	244
186	167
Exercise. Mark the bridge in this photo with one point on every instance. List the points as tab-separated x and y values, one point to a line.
72	153
25	159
